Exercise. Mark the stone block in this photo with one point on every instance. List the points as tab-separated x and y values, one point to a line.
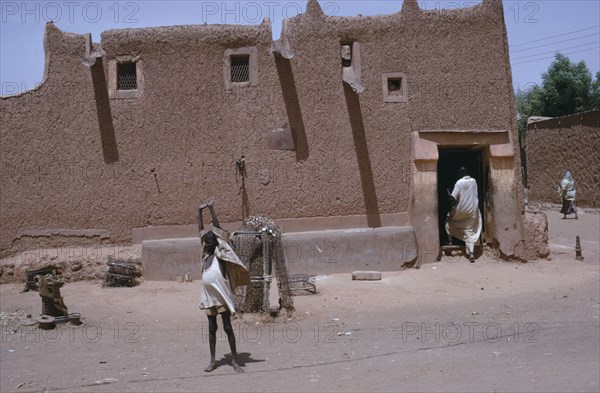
366	275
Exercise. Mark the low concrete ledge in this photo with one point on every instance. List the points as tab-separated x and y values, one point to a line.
344	251
101	233
163	260
288	225
315	252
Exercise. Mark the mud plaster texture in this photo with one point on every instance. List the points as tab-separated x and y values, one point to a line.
75	161
557	145
535	244
72	263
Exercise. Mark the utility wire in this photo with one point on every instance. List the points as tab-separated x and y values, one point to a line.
554	51
557	42
551	57
555	36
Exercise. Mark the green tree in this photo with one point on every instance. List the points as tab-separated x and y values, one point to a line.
595	94
566	87
529	103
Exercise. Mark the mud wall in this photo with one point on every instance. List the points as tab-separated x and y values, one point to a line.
78	167
557	145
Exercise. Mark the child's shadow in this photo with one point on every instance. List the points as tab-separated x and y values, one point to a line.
242	357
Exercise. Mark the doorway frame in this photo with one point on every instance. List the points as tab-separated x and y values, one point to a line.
478	173
503	211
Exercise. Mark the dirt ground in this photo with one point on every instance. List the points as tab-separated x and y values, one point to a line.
451	326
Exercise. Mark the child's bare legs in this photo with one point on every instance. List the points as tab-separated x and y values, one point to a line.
226	317
212	342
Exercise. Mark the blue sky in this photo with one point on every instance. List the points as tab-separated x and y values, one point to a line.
536	29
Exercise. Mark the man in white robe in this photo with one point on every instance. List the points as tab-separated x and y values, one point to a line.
465	223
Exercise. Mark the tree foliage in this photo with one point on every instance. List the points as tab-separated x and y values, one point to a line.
529	103
567	88
595	95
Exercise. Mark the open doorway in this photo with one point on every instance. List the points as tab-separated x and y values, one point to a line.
450	160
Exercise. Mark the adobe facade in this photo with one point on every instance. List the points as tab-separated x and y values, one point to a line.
325	144
560	144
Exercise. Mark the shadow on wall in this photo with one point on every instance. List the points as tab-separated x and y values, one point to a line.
292	107
245	201
362	155
240	180
105	122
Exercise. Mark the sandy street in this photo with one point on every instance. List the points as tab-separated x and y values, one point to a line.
491	326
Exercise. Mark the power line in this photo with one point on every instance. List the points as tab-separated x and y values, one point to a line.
554	51
557	42
551	57
554	36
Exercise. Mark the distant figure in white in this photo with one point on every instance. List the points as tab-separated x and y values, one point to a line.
464	220
567	192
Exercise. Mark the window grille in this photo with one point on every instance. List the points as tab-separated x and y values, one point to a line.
240	68
126	76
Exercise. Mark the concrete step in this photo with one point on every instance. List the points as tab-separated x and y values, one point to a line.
314	252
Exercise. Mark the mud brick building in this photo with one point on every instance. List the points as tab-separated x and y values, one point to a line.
346	130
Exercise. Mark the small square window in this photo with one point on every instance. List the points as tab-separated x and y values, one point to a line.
240	68
126	76
394	87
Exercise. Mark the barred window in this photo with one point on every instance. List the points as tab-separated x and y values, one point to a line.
126	76
240	68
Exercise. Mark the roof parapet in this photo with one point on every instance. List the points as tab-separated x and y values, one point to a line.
410	7
494	6
313	8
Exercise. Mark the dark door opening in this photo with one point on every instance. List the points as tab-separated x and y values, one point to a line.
450	160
